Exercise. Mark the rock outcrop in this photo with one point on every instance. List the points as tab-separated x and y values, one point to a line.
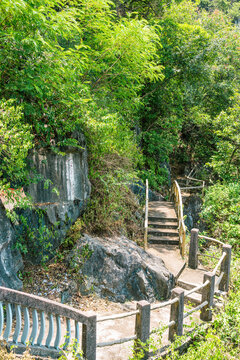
120	270
62	178
59	196
10	259
192	208
56	207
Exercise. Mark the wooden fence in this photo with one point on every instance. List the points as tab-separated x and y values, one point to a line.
22	303
222	269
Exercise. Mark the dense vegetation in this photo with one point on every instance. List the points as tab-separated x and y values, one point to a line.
150	84
145	82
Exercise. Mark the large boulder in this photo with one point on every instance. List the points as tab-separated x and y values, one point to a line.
117	269
10	259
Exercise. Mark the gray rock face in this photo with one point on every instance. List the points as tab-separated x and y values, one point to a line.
10	260
59	204
192	208
120	270
139	189
68	174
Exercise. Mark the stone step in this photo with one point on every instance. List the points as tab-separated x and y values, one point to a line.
159	218
161	208
163	232
161	203
188	285
194	298
163	224
163	240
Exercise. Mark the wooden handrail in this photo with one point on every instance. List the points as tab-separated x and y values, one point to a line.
179	208
211	239
146	217
117	316
219	263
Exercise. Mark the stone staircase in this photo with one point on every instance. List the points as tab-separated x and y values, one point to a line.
162	223
163	234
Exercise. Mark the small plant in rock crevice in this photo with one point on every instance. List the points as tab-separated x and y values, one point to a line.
32	241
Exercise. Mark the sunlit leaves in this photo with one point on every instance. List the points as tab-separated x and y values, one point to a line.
15	142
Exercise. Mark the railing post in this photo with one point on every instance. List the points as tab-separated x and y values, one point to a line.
89	338
193	250
142	326
207	295
225	268
176	314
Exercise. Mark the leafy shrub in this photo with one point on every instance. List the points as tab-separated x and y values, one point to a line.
221	212
15	141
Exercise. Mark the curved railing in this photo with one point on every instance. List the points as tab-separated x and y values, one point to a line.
30	319
176	193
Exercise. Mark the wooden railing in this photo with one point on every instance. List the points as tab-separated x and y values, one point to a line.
176	194
177	314
146	217
189	183
46	338
222	269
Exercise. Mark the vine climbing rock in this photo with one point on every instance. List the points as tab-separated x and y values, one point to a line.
10	259
118	269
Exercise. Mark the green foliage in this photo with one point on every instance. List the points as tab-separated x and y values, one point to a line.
76	65
73	352
212	348
75	51
113	207
15	142
226	160
35	242
221	212
200	55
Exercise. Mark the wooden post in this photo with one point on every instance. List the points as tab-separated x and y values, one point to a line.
207	295
142	326
193	250
225	268
89	338
176	314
